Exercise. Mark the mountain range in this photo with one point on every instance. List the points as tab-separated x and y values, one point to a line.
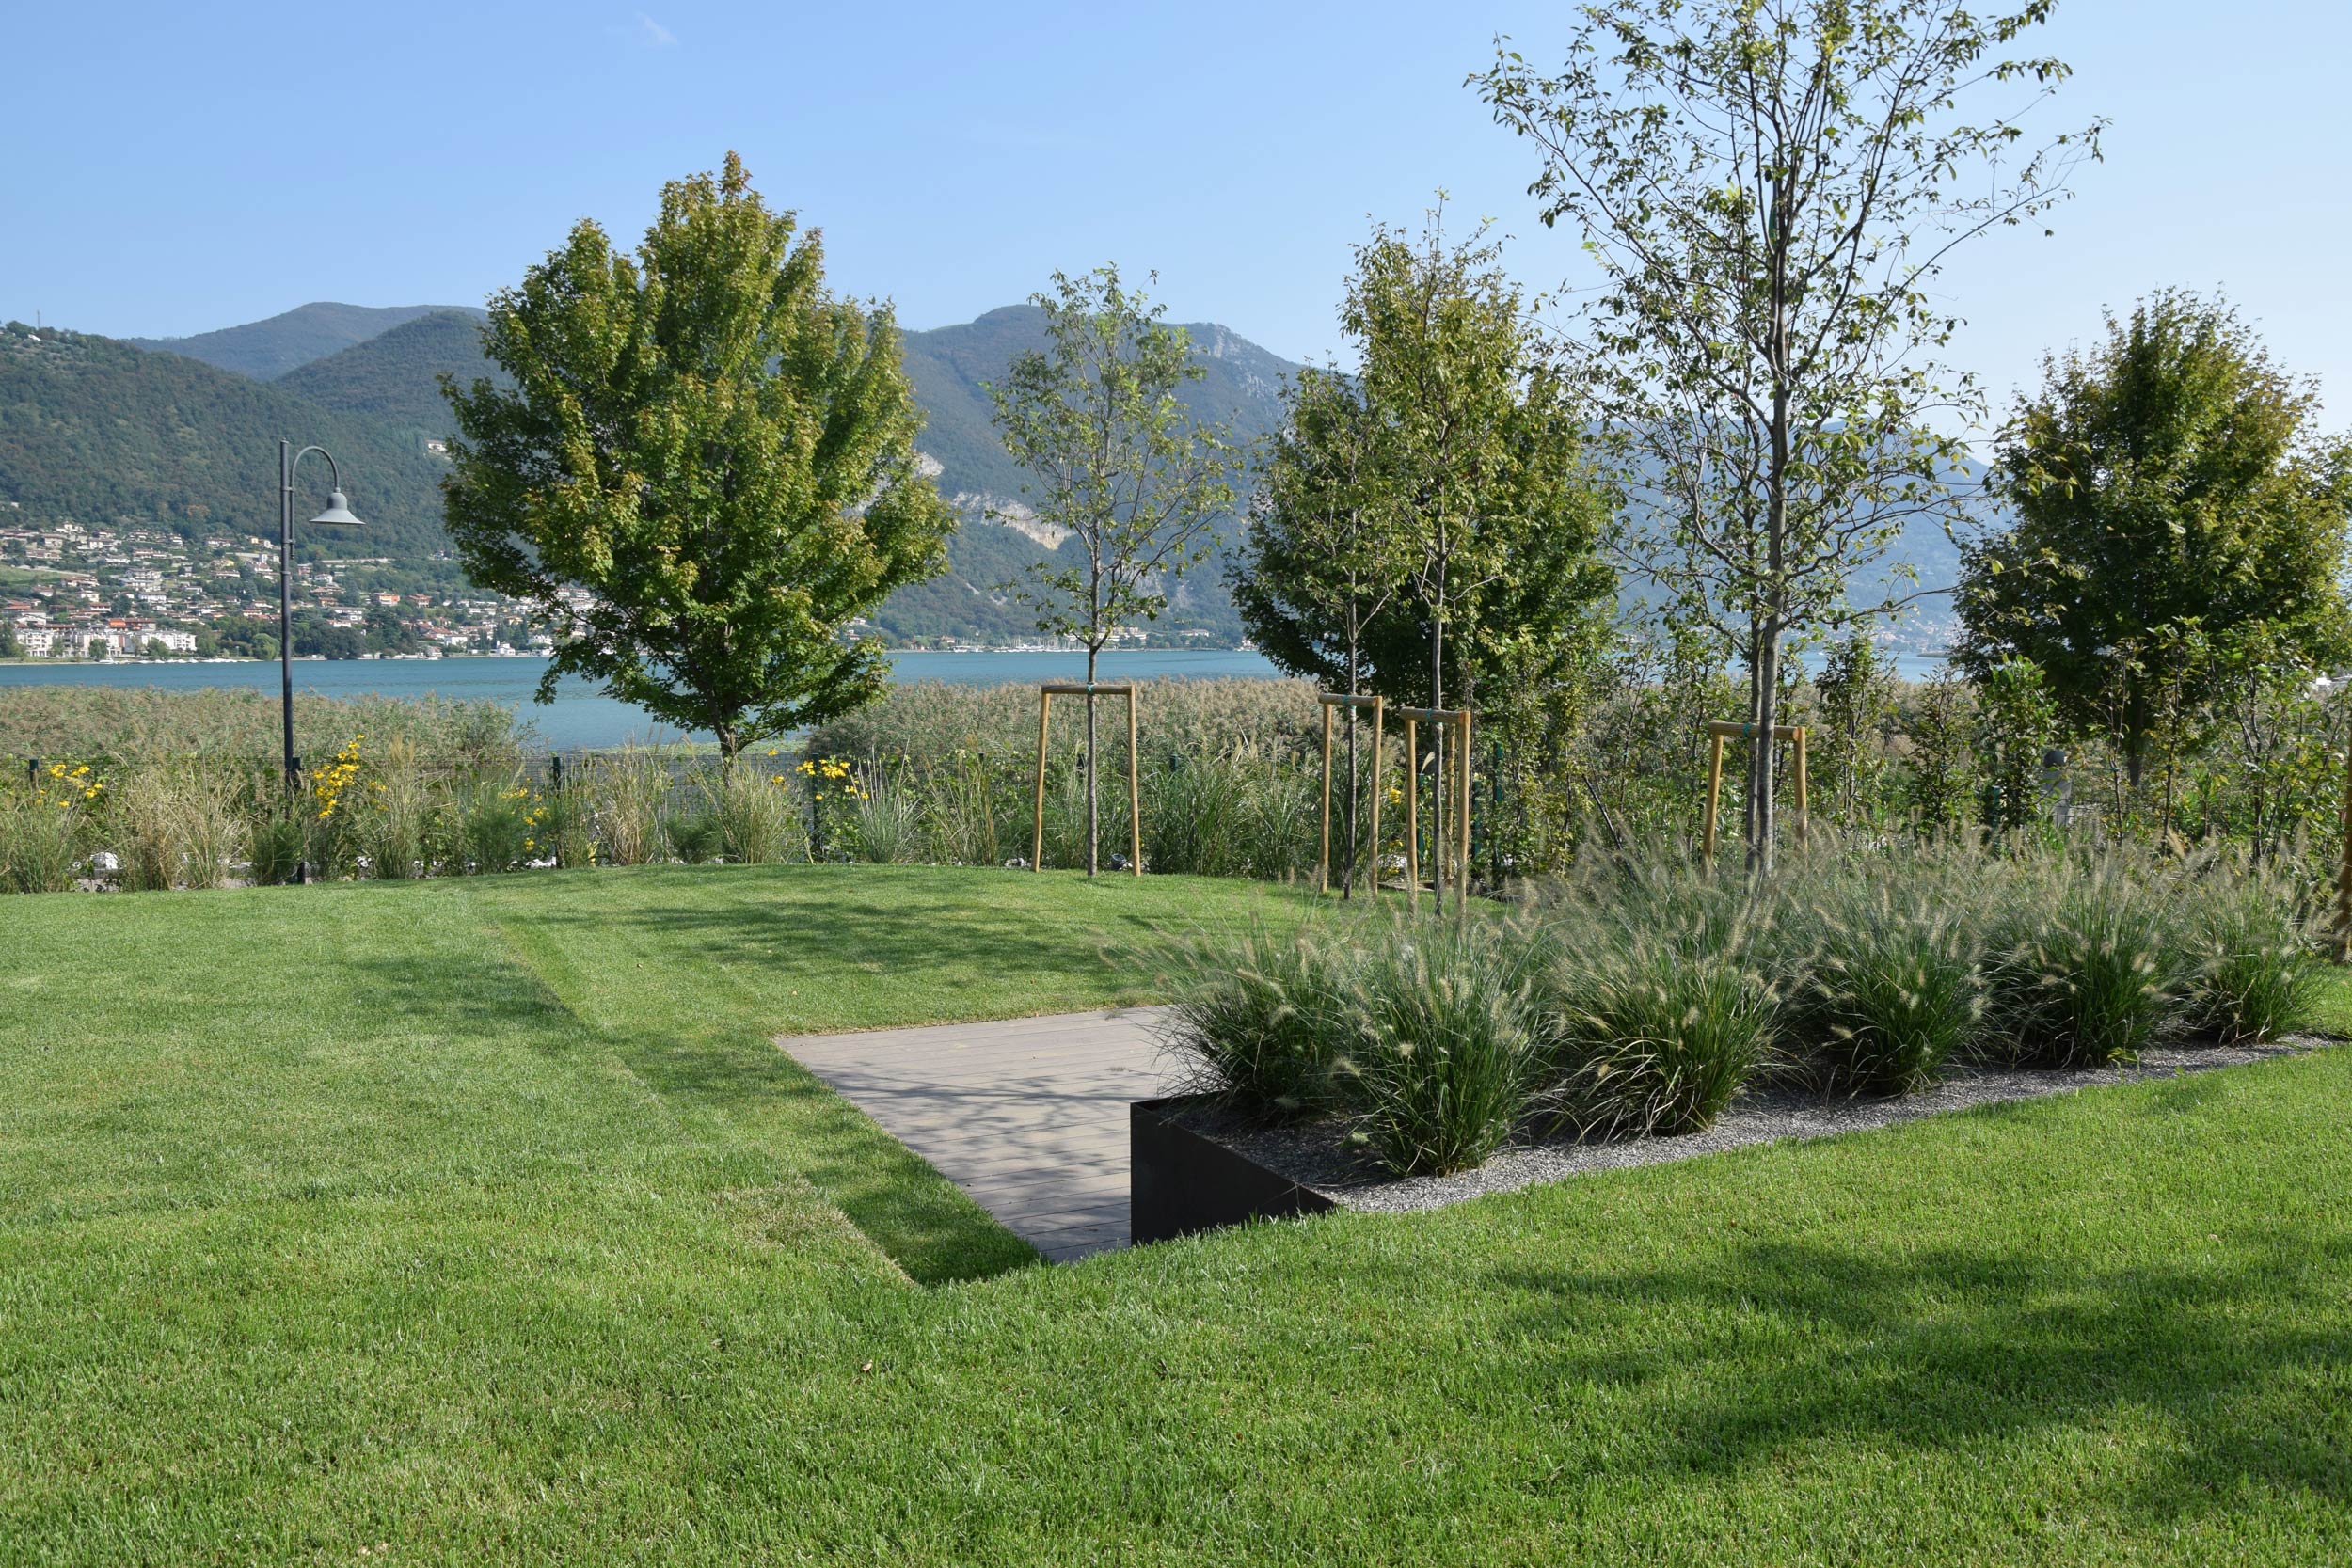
183	431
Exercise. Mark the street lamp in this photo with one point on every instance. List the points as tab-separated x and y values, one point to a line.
338	514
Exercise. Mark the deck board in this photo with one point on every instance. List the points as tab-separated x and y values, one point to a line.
1027	1116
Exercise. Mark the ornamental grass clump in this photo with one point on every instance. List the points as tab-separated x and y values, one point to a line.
1892	985
2078	971
1448	1042
884	820
491	826
174	824
41	828
2247	968
1651	1037
1262	1018
626	793
392	816
755	820
1664	990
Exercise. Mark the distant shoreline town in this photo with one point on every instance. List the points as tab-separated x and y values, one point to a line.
137	594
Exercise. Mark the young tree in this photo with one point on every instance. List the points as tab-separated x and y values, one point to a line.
1323	558
1767	188
1857	703
2171	498
1119	462
719	451
1478	447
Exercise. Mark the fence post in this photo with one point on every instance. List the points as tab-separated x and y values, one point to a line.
32	772
555	772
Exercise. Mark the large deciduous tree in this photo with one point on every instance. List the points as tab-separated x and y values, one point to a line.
1767	188
1119	462
2174	502
704	471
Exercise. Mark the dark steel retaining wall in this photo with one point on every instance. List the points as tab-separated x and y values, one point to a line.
1183	1183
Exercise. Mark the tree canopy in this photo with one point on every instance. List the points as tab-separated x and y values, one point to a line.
2172	500
719	451
1118	460
1427	525
1767	188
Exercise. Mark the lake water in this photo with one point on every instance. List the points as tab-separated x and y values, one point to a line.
583	716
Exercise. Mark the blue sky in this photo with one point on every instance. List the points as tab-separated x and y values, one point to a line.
172	168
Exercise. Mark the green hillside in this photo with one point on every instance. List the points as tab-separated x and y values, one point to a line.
392	377
95	430
91	428
265	350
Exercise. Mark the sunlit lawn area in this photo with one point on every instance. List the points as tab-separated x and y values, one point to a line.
483	1221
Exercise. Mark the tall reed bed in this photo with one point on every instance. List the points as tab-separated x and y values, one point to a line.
1646	995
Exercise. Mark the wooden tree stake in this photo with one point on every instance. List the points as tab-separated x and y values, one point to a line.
1045	695
1717	730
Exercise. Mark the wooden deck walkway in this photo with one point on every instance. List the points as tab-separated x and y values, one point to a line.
1028	1116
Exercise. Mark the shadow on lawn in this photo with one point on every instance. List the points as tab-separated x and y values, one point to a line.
1952	1347
710	1070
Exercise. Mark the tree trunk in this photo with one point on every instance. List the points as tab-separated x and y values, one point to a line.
1347	854
1094	837
1764	712
1437	741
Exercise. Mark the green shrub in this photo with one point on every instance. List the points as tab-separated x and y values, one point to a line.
1446	1044
693	836
277	841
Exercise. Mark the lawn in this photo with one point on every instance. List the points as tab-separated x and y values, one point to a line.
480	1221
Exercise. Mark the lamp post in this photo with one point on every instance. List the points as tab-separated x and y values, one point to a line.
338	514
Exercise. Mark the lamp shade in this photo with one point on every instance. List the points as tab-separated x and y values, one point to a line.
338	513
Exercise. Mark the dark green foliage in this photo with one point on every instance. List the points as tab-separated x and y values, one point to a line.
1855	695
265	350
278	841
2020	724
714	446
1941	781
394	377
2173	495
96	430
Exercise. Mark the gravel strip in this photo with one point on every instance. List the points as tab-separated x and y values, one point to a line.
1316	1155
